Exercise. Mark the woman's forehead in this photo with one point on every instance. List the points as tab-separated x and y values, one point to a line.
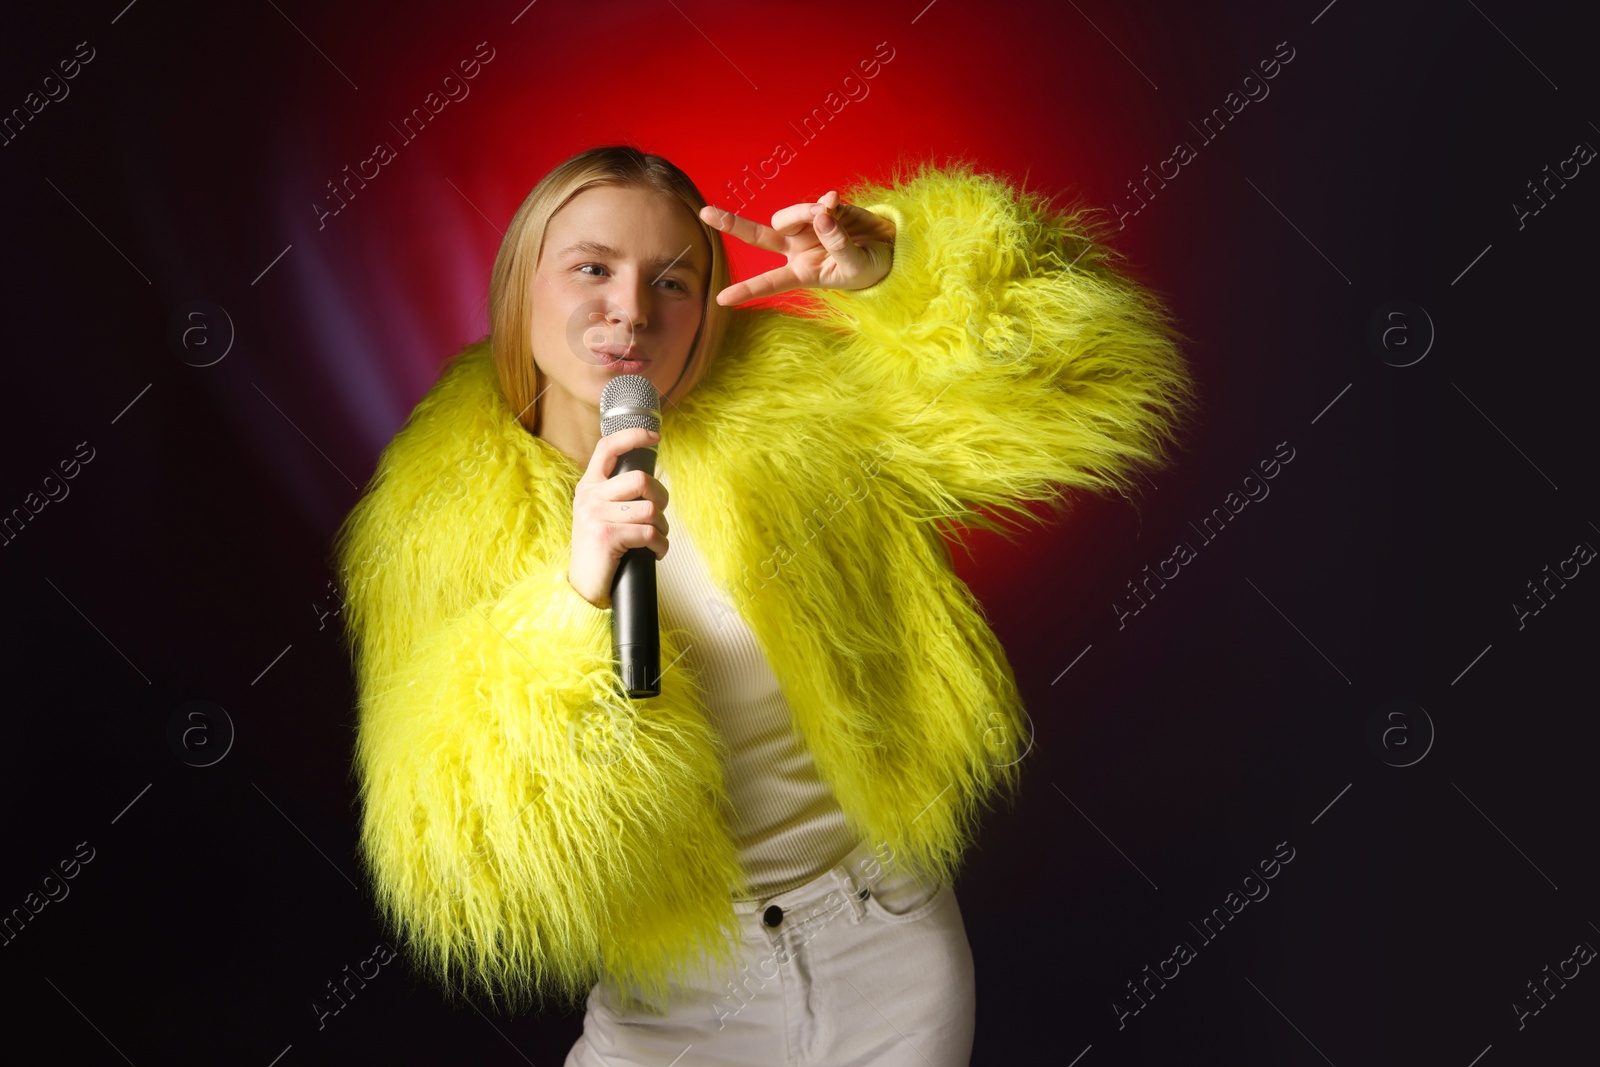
622	207
631	222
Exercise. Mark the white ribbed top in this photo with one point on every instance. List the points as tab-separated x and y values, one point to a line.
785	820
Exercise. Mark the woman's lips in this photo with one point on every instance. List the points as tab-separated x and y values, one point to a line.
618	355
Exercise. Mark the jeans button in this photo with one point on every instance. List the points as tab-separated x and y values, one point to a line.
773	915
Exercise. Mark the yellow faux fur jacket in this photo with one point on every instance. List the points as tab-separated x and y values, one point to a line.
527	827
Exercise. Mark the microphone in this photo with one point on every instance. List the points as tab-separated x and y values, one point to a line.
631	400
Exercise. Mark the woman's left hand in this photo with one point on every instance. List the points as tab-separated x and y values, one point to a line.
828	244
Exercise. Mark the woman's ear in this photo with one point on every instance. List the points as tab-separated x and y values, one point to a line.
538	390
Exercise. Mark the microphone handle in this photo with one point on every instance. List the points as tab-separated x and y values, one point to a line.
635	621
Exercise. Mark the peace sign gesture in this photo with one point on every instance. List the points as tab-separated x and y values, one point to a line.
828	244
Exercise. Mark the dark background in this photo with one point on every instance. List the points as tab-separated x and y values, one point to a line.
1232	715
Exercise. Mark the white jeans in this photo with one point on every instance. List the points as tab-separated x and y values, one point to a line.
868	965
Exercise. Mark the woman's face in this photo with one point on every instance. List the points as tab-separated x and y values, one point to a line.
620	266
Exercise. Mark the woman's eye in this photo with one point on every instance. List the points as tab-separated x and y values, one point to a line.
670	281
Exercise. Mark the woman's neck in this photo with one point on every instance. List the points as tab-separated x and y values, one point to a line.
570	425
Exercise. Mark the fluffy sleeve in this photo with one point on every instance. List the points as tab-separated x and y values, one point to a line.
525	825
1006	356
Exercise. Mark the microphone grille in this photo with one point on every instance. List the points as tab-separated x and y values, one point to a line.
629	400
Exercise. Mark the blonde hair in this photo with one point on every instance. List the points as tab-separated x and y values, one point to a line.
511	282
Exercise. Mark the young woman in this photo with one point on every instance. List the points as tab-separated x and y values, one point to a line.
755	866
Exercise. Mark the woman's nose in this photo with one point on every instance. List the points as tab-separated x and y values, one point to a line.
630	303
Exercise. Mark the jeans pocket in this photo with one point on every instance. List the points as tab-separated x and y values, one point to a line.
623	1002
905	898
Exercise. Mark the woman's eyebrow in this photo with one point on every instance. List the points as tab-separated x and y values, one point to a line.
597	248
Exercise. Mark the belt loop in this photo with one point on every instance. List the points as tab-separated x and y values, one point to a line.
853	891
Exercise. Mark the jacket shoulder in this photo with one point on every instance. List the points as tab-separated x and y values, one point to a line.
773	360
463	498
464	403
462	431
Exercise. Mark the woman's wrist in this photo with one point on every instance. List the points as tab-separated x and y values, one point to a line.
602	606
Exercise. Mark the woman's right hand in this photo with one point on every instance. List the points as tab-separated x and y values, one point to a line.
608	519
